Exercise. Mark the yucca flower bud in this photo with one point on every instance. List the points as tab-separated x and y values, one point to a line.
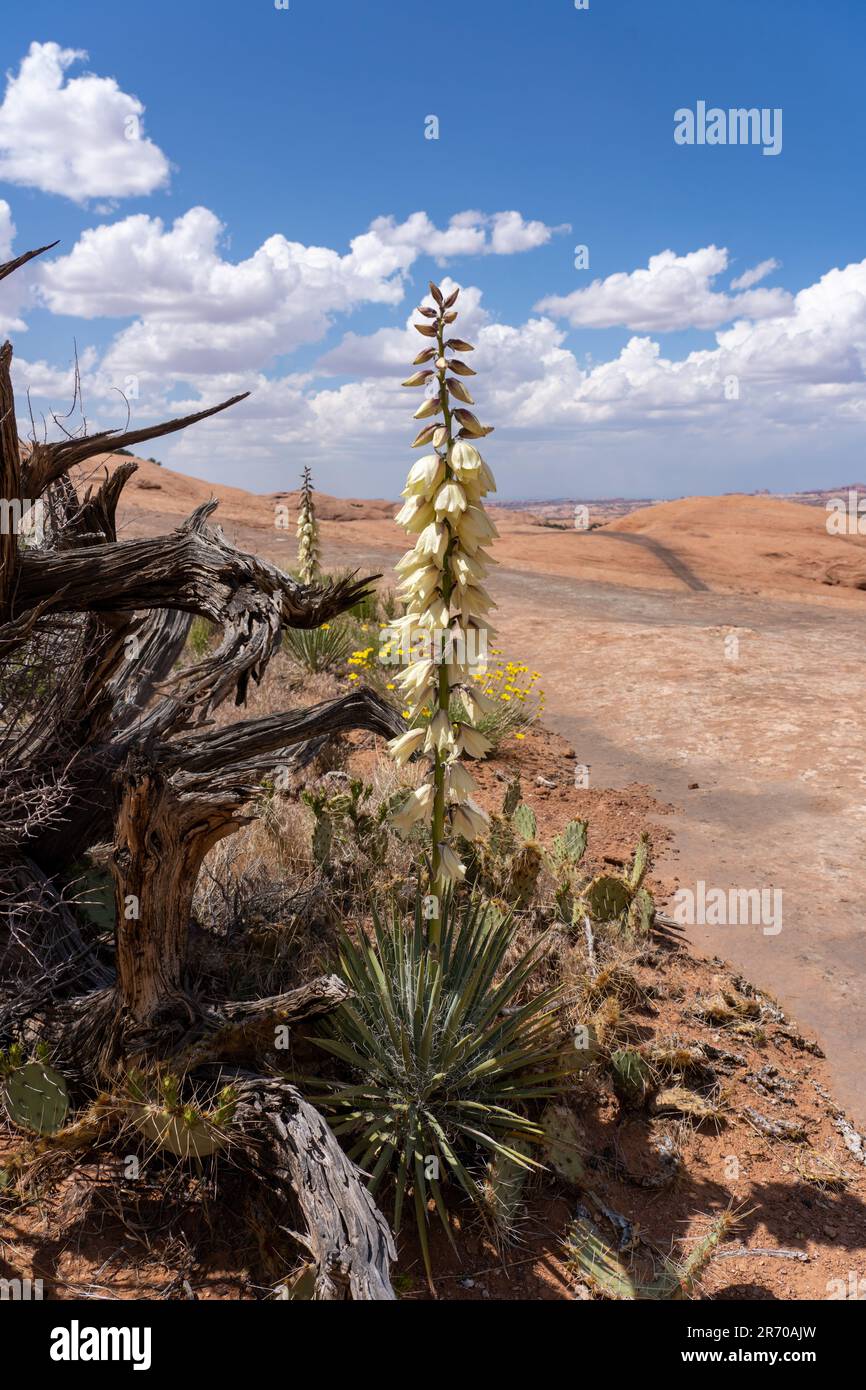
451	869
469	820
402	748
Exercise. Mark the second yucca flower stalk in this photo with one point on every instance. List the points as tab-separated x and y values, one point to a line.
308	532
445	626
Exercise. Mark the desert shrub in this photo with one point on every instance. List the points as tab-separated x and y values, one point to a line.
445	1057
320	648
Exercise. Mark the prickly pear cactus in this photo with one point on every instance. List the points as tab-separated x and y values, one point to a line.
502	1190
563	1140
322	837
185	1130
94	889
632	1074
641	913
640	863
566	909
187	1135
495	911
607	1020
608	898
502	841
570	846
594	1260
36	1098
511	800
524	821
621	900
525	868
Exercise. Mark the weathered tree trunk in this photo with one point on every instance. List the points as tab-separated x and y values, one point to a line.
159	848
174	803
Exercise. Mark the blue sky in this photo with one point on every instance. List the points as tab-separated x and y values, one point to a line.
271	133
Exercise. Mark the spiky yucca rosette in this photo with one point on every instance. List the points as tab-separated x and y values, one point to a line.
445	629
308	533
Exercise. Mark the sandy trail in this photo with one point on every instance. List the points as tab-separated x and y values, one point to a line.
649	688
770	728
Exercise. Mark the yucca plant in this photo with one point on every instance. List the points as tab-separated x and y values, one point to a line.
447	1055
319	648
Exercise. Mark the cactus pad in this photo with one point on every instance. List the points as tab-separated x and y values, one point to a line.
632	1074
511	800
524	821
571	844
186	1135
36	1098
562	1143
640	863
608	898
503	1189
525	868
322	837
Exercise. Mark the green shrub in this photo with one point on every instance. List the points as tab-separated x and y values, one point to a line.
319	648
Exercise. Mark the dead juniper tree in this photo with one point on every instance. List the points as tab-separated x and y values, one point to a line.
102	741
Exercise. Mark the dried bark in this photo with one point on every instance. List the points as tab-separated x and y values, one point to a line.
347	1236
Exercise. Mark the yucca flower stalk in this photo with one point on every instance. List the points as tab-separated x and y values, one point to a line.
309	566
445	627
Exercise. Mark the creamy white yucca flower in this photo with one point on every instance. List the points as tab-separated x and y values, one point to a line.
444	629
308	533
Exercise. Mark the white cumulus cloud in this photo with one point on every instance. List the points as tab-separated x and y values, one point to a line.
673	292
755	275
81	138
197	312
